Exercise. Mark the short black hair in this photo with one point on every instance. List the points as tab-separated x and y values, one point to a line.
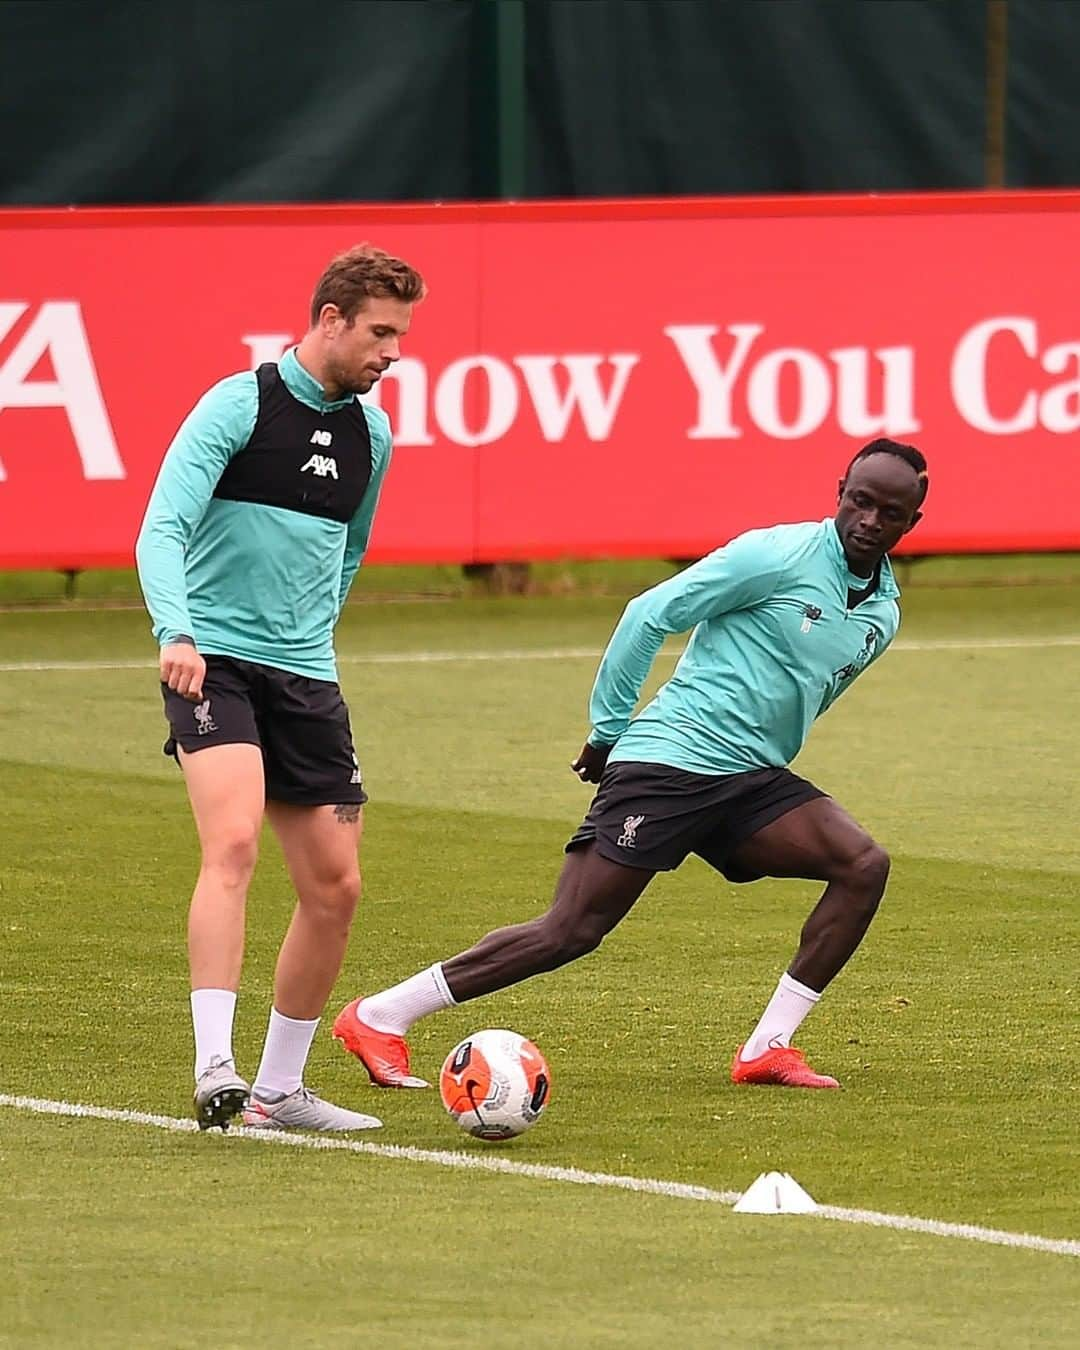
908	453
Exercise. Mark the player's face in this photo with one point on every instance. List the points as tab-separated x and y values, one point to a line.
358	353
879	503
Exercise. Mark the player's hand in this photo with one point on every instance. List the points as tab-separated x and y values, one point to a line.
589	764
183	669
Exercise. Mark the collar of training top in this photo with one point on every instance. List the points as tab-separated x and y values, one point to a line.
887	588
306	387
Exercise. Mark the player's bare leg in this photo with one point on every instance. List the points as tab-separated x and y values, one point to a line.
321	845
818	841
225	787
592	896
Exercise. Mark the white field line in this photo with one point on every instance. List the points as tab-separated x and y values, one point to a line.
373	659
561	654
488	1162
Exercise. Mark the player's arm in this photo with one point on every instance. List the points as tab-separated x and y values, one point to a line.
359	530
218	426
741	574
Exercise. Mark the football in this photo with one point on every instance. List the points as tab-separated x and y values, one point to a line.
495	1084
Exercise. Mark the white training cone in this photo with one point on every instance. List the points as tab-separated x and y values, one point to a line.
775	1193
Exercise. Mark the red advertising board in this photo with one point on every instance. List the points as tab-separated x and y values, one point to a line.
585	379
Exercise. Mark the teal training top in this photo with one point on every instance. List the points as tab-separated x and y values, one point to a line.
774	644
246	580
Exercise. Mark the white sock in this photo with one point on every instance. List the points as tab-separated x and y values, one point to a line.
212	1013
288	1043
781	1019
396	1009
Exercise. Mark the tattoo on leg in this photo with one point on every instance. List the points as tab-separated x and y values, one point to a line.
347	812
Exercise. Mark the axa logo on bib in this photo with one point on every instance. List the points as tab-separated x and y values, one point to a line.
320	466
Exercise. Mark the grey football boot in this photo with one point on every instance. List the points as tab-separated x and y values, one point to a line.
302	1110
220	1094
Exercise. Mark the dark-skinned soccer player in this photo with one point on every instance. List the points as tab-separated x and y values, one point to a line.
783	620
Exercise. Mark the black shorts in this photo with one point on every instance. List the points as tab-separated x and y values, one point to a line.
300	724
651	815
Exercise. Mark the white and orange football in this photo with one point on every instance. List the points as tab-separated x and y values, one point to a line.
495	1084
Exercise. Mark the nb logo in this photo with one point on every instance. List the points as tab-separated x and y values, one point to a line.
321	438
321	465
628	838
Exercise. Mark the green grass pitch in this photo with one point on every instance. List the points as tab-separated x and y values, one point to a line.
954	1030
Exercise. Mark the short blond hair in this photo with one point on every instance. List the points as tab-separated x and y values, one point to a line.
356	275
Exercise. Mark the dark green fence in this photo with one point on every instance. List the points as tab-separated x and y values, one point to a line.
135	101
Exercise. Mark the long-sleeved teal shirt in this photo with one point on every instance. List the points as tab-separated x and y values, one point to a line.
256	582
774	643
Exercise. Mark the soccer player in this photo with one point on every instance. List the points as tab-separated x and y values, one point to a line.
256	526
784	621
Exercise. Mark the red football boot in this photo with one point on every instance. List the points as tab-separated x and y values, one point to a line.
384	1055
782	1067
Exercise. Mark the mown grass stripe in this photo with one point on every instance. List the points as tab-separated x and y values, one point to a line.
486	1162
